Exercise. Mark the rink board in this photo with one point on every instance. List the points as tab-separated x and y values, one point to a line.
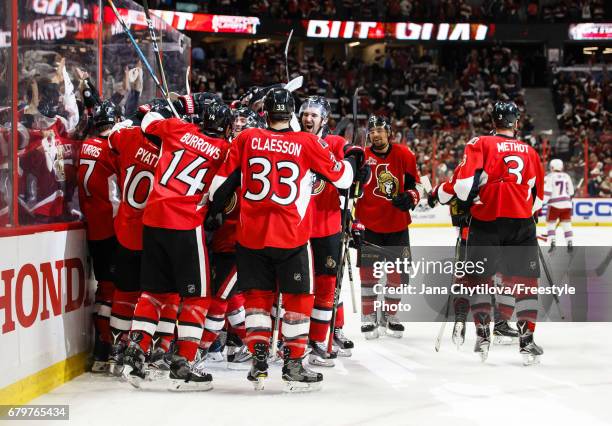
46	300
585	212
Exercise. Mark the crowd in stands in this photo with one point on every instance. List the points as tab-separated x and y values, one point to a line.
422	98
583	103
510	11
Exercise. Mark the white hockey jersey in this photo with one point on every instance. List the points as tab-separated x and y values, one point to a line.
558	190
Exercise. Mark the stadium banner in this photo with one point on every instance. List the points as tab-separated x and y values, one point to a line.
586	211
46	302
590	31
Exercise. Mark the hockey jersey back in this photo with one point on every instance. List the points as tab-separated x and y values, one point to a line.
558	190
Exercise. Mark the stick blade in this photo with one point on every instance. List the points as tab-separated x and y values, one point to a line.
295	84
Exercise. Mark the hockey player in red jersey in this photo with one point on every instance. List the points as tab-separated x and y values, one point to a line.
324	210
384	212
174	258
502	179
99	199
136	161
226	302
273	169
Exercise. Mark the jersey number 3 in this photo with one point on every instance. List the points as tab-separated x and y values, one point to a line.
515	166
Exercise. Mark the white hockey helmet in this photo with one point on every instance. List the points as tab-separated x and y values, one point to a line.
556	165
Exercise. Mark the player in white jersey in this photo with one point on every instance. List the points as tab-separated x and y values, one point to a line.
558	193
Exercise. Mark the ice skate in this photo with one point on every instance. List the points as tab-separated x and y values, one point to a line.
298	378
238	355
259	366
134	364
570	246
159	365
369	327
483	341
185	377
394	328
530	351
215	352
343	343
318	355
458	336
100	355
553	245
115	359
504	334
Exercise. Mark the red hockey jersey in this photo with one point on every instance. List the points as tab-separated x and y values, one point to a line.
187	164
136	158
276	184
98	190
324	208
390	175
511	170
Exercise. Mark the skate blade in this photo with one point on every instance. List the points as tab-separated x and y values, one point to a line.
458	342
100	367
301	387
135	381
505	340
529	360
371	335
116	370
394	334
215	358
155	374
177	385
320	362
259	382
239	366
345	353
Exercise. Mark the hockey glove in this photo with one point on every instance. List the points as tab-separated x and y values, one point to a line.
357	231
432	197
212	223
406	200
363	174
355	152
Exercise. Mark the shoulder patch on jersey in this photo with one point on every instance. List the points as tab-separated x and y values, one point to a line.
323	143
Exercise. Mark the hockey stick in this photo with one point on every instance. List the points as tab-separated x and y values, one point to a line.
350	272
345	221
287	54
142	57
550	281
274	340
448	303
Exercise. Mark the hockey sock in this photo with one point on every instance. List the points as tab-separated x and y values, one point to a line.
526	300
392	298
146	317
215	320
296	322
368	297
236	315
567	231
166	327
504	303
323	304
340	315
481	303
461	306
124	303
551	230
191	325
258	322
103	306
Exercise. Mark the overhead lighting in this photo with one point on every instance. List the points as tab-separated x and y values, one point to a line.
355	43
262	40
607	50
590	48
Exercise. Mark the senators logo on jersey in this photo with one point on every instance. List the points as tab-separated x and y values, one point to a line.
387	184
318	184
230	205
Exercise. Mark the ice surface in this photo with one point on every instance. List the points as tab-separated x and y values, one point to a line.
390	381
